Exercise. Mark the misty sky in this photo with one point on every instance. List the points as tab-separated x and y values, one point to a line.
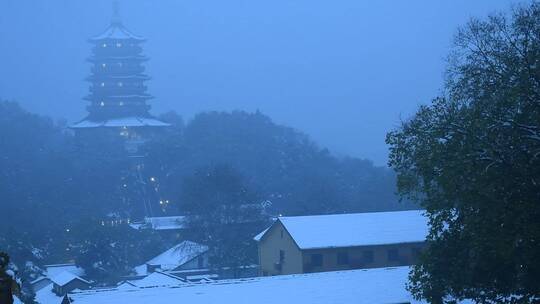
343	71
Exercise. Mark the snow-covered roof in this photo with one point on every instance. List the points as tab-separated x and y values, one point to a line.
373	286
38	279
126	286
94	77
146	96
166	222
161	223
55	269
116	31
357	229
174	257
120	122
65	277
259	236
114	58
47	296
158	279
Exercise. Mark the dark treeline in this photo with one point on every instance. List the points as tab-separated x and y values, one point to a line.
57	191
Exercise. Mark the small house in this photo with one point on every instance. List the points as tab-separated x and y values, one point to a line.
187	255
66	281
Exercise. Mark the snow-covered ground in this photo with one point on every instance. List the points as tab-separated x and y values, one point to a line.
383	285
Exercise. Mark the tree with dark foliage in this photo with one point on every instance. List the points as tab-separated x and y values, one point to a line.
284	165
224	215
8	285
472	159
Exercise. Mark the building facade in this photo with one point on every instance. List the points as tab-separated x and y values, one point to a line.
341	242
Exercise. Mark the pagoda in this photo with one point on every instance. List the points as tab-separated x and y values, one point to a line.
118	98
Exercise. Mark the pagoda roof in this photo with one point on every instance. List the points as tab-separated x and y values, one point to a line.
101	58
145	96
132	121
109	76
116	31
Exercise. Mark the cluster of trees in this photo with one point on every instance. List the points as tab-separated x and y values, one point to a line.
472	160
279	163
59	193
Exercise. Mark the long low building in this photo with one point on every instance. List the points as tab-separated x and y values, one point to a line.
380	285
316	243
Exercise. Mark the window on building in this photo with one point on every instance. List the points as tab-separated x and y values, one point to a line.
343	258
282	256
367	256
393	255
281	233
265	273
316	260
104	65
120	84
118	44
121	103
200	262
103	84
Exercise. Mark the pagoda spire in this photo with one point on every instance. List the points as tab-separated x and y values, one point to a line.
115	20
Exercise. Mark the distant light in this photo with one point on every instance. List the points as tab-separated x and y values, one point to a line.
121	103
161	202
153	179
67	230
103	84
102	103
104	45
103	64
119	45
120	84
125	185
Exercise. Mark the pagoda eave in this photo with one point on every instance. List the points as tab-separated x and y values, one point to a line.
137	58
120	98
131	122
117	77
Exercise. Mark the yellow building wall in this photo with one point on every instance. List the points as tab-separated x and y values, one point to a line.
276	239
406	255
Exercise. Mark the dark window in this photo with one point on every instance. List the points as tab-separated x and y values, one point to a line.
367	256
316	260
393	255
281	256
200	261
265	273
343	258
281	233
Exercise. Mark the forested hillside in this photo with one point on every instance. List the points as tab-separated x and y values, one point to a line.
57	190
283	165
